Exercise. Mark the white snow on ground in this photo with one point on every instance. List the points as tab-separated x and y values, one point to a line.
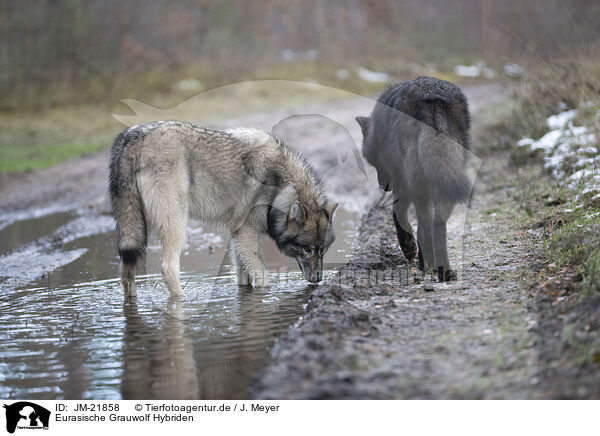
289	55
560	120
342	74
189	85
513	70
372	76
570	152
479	69
466	71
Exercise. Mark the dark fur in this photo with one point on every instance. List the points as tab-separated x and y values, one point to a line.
123	195
426	101
418	140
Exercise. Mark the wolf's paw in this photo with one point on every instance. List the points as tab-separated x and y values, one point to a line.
261	279
129	288
408	245
406	240
243	278
446	275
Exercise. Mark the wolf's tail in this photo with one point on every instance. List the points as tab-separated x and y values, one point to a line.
127	207
444	151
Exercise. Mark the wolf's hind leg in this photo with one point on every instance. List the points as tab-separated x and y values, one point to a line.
166	205
170	217
128	279
173	238
440	242
404	230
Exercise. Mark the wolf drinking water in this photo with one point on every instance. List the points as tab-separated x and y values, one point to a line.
163	172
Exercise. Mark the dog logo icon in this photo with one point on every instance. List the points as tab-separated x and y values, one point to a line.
26	415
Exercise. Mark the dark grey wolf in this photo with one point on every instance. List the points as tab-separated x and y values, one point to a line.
245	179
418	140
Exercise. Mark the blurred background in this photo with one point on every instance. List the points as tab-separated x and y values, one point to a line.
61	59
531	71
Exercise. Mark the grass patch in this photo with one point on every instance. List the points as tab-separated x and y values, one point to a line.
574	241
570	213
35	157
31	140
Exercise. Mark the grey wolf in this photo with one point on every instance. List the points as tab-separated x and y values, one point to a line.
417	138
163	172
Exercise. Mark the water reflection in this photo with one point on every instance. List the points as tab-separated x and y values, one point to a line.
69	335
83	341
158	361
207	347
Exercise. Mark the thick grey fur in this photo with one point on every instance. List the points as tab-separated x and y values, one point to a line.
163	172
418	140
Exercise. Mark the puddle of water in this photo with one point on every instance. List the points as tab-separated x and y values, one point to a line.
70	335
18	233
84	341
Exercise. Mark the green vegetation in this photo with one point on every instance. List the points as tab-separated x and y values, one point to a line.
34	157
32	140
567	212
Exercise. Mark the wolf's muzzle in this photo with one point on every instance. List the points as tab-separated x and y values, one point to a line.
312	269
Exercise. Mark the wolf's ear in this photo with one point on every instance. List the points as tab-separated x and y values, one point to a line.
364	123
296	213
330	209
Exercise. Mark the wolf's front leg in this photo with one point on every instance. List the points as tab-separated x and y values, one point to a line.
404	229
247	248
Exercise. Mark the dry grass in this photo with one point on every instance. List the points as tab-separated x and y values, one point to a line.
568	84
572	83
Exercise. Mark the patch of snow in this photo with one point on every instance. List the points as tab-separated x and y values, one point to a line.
548	141
372	76
584	174
570	152
560	120
467	70
525	141
479	69
513	70
342	74
189	85
289	55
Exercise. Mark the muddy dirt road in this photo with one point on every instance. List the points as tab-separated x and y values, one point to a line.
354	339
